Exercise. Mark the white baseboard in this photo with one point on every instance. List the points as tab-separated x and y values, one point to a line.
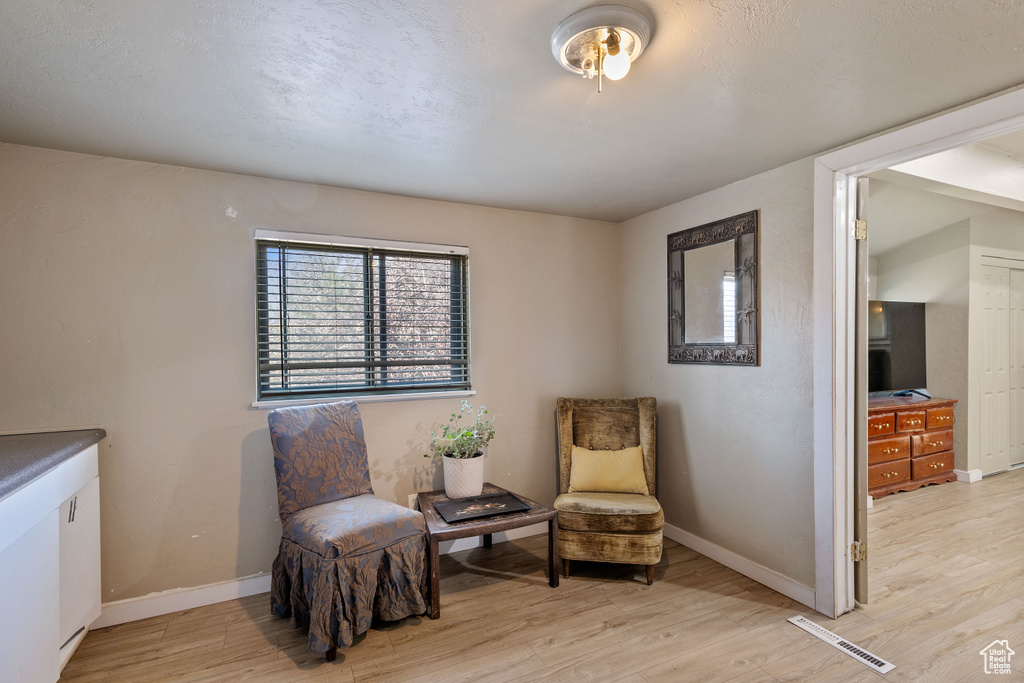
970	476
166	602
175	600
763	575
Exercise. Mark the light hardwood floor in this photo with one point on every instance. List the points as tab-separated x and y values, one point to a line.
947	579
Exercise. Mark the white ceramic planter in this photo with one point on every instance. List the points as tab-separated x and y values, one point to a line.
463	477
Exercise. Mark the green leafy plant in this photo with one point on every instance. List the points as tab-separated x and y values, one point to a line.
463	440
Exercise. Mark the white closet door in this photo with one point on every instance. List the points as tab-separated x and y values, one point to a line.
995	374
1016	351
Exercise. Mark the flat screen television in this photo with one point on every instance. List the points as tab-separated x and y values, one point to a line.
897	361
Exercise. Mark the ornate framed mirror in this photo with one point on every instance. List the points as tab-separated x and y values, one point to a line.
713	307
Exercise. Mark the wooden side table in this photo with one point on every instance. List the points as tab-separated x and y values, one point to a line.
439	530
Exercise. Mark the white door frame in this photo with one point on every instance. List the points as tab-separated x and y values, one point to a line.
834	291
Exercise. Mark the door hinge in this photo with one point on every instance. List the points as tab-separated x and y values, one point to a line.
860	230
858	551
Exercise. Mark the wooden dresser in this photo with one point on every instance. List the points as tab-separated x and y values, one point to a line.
910	443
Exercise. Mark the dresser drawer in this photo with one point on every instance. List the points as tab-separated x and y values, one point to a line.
891	448
911	421
940	417
887	473
879	425
928	465
931	442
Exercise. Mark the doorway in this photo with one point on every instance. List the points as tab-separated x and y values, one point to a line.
953	245
835	323
933	246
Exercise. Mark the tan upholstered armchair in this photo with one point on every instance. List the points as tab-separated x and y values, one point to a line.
607	510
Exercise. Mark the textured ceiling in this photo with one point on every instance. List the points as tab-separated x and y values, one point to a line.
462	100
899	214
903	206
1011	144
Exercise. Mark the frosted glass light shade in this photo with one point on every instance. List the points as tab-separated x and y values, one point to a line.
616	66
580	37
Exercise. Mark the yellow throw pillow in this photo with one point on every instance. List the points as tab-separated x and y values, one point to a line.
607	471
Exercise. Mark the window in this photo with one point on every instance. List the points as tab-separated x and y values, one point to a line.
339	316
729	307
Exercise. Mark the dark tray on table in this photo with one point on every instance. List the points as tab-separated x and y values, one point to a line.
475	507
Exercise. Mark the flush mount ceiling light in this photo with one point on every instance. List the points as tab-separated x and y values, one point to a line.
601	41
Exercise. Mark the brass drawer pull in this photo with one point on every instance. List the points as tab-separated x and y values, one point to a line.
890	450
913	422
935	465
890	474
935	443
884	425
941	417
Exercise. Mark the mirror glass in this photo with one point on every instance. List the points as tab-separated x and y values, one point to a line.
709	293
713	293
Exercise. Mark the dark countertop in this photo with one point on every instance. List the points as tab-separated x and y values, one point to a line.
23	457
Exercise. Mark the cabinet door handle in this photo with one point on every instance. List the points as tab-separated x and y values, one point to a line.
72	508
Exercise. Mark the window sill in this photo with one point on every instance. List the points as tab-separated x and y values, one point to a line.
364	398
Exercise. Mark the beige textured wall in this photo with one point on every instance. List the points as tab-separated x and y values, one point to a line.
126	301
735	446
1001	229
935	269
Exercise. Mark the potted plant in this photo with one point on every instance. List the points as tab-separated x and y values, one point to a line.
459	444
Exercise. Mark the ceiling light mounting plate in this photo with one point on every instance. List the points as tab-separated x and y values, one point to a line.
576	41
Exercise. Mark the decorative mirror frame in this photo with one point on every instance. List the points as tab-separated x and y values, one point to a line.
747	312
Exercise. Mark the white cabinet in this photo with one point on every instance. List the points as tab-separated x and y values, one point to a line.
28	631
49	568
79	566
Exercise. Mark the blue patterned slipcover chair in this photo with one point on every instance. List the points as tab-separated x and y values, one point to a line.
346	555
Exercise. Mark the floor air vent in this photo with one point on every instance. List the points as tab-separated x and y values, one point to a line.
876	663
